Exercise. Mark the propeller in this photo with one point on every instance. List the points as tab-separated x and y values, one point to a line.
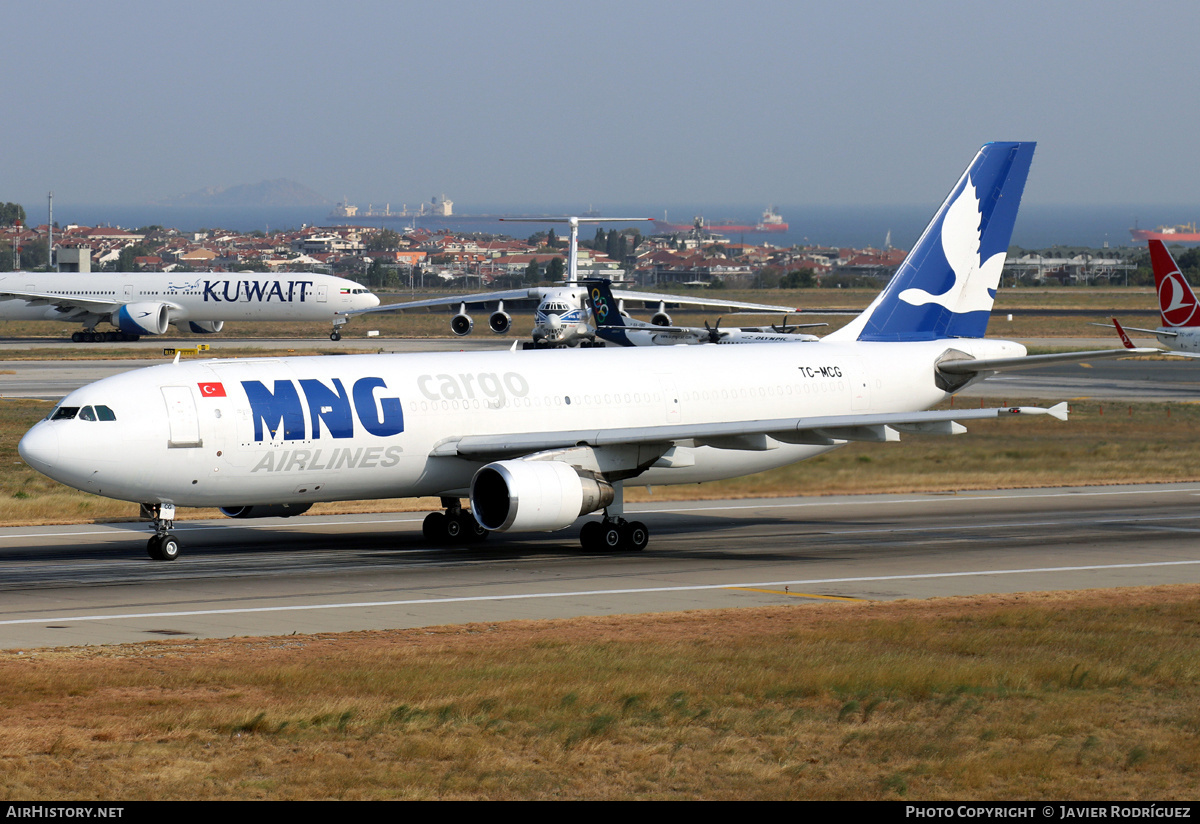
783	328
714	333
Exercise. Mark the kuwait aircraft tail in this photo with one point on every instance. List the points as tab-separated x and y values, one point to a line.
946	285
1176	300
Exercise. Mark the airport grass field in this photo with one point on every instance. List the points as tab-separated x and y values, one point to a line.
1035	697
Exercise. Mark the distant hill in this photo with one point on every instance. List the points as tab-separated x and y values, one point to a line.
279	192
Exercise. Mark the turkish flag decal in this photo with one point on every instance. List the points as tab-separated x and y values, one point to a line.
212	390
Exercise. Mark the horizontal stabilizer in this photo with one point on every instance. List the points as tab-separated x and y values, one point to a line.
971	366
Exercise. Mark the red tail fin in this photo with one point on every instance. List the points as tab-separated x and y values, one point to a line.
1176	301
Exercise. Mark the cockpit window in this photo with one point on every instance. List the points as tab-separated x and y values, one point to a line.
86	413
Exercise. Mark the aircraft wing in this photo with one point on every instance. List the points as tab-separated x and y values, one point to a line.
747	435
719	304
970	366
482	297
86	303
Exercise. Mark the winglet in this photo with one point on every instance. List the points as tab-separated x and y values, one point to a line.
1121	333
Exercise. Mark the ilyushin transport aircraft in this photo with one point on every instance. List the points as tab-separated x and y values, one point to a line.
1177	307
562	318
146	303
535	440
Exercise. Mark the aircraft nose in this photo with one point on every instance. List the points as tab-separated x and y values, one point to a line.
554	321
372	301
40	447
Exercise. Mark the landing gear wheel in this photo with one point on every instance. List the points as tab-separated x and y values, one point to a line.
610	537
434	528
635	536
472	531
77	337
589	536
163	547
335	335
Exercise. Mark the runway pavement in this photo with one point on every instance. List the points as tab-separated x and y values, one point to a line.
94	584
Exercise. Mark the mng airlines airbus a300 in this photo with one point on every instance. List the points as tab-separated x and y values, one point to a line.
145	303
536	440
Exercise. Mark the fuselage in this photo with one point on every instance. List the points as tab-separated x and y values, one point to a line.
195	296
299	430
1185	339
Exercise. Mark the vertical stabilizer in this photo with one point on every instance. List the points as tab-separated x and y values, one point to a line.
1176	300
946	285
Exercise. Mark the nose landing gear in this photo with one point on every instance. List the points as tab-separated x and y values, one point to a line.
163	545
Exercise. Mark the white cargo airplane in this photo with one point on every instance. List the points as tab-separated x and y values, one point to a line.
614	326
1177	306
536	441
145	303
562	317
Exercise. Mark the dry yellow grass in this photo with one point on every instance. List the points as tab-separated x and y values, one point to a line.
1089	695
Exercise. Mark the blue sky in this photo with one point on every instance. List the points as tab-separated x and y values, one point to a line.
526	102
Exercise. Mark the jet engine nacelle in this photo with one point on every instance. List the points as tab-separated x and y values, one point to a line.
535	496
461	324
267	511
142	318
661	318
499	322
206	327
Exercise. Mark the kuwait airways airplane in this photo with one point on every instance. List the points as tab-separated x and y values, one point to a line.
535	440
145	303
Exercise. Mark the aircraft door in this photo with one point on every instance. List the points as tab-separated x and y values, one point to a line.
322	294
672	402
860	386
128	291
181	415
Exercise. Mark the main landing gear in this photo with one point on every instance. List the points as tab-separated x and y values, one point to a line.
163	545
614	533
454	526
92	336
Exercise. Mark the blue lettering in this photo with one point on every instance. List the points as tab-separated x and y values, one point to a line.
282	407
236	292
209	292
254	290
328	406
384	419
276	290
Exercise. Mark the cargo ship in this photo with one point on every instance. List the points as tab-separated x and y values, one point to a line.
1183	233
771	222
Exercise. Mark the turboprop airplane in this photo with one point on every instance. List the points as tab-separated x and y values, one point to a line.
536	441
562	317
146	303
1177	305
614	326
